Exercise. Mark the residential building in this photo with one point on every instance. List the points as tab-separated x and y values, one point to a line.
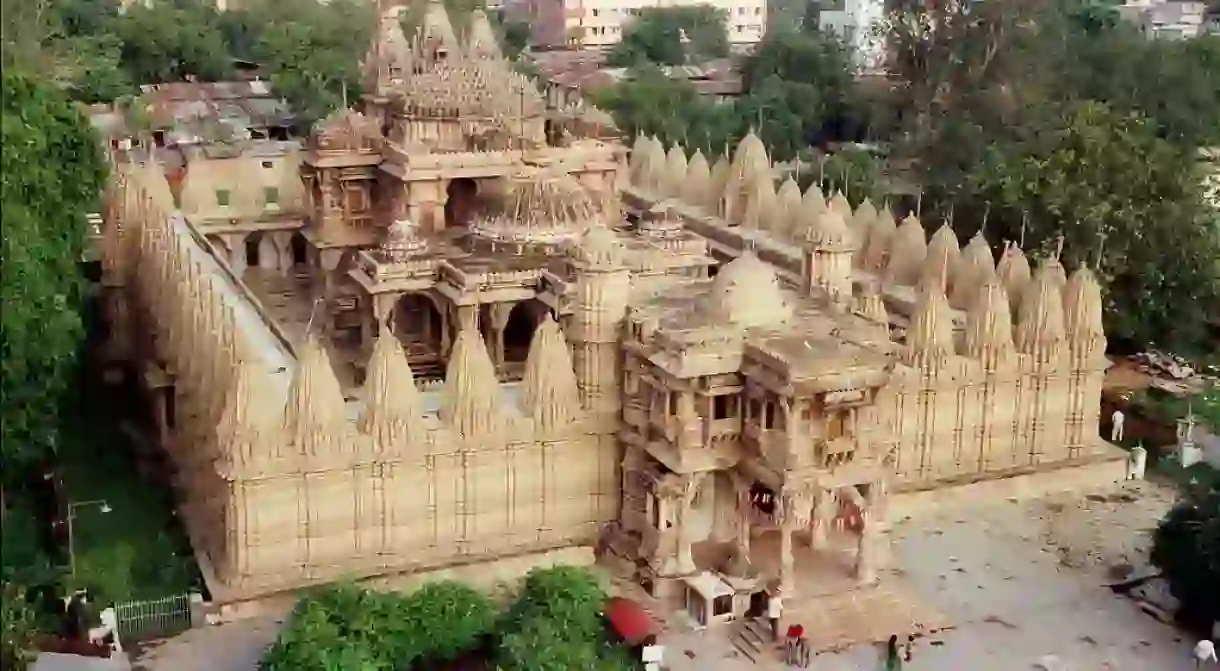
1166	20
599	24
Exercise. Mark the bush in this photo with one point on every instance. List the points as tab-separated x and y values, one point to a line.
1186	547
345	627
556	625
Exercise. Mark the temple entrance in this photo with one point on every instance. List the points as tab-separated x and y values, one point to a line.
460	202
253	251
519	330
299	248
417	324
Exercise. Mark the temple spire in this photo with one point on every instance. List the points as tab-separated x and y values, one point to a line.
392	405
549	390
471	402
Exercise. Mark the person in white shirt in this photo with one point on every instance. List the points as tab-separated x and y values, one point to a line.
1116	426
1205	651
775	610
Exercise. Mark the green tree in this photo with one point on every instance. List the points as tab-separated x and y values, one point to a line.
314	58
53	174
655	36
18	627
170	42
1125	201
1186	547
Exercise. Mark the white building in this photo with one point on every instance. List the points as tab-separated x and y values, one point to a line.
1166	20
599	24
854	22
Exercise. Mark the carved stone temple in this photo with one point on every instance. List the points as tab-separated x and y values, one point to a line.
463	339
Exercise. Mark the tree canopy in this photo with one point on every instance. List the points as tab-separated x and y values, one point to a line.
655	36
53	173
1186	546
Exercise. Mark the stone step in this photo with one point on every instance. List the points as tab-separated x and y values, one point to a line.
752	638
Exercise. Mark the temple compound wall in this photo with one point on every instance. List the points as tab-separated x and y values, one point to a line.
285	482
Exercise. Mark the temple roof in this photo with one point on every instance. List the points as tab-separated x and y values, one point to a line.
540	206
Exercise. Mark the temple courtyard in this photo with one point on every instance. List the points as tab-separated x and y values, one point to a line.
1015	581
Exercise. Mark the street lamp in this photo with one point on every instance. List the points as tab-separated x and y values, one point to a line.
102	506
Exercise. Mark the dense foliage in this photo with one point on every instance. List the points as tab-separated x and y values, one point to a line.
345	627
1047	112
655	37
1186	547
51	175
554	625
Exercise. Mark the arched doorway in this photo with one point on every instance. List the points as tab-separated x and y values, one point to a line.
460	201
253	249
417	324
299	248
519	330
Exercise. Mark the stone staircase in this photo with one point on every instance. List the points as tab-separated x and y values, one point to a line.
752	638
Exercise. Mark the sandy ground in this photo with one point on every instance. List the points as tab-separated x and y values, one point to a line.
1020	580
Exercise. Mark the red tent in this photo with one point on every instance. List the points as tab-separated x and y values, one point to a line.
630	621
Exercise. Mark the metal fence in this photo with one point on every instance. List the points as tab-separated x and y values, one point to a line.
153	618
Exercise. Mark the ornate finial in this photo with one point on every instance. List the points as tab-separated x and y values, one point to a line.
313	312
986	214
952	209
1024	221
1059	249
919	207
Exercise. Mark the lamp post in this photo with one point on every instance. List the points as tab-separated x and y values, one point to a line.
101	506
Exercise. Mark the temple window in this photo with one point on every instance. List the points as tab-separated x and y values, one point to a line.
222	197
271	195
755	409
769	415
722	605
268	164
724	406
673	403
836	424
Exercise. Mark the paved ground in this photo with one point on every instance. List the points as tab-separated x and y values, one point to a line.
1018	580
1021	581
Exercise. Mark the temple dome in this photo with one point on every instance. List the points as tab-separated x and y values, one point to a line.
599	246
830	231
746	292
402	241
542	207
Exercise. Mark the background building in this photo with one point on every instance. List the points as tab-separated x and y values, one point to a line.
599	24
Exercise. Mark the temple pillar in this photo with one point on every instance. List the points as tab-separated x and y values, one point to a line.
787	571
683	563
499	322
283	247
866	550
742	527
236	246
468	317
823	515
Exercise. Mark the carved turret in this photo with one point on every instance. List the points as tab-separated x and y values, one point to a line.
877	251
1082	310
842	207
698	181
760	204
675	171
989	326
549	392
750	162
719	182
908	251
471	402
872	305
828	252
393	409
943	256
813	204
862	223
787	210
930	336
1040	328
975	269
652	169
1013	270
315	419
248	434
482	42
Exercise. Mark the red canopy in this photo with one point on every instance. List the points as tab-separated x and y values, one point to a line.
629	620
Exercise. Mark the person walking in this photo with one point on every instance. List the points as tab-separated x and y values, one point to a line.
893	657
775	610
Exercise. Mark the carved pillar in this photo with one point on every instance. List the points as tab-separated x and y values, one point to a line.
236	245
823	514
787	516
742	528
499	321
866	549
684	563
283	247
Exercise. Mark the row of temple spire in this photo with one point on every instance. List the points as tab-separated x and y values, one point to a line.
314	422
1047	308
